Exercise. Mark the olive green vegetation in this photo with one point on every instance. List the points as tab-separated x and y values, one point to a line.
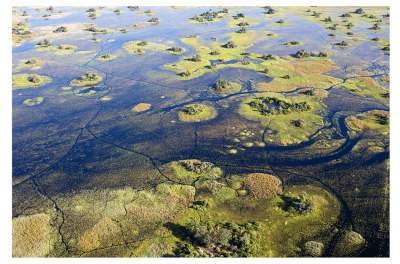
23	81
87	79
88	90
63	49
225	87
197	113
288	73
31	64
367	86
33	101
374	121
195	66
349	244
289	120
268	228
209	16
140	47
21	33
188	171
107	57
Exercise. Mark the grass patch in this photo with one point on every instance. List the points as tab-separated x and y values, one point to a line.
290	120
23	81
197	113
33	101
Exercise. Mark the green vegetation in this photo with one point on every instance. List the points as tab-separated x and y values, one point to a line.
33	101
31	64
107	57
209	16
197	113
290	120
209	239
88	90
276	232
21	33
140	47
63	49
188	171
225	87
374	121
292	43
23	81
366	86
87	79
349	244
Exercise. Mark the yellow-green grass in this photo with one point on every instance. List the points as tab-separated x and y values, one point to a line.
233	23
21	81
204	113
94	223
198	68
177	172
18	39
33	101
107	57
367	86
280	233
62	50
301	72
141	107
232	87
83	81
137	47
33	235
370	121
31	64
282	130
293	43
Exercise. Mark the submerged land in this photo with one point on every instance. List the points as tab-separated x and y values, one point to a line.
201	132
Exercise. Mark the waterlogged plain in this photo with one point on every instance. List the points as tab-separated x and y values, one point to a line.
200	132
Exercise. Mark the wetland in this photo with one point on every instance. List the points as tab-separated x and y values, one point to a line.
200	131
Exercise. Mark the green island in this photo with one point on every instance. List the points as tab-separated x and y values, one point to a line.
197	113
62	50
374	121
225	87
25	80
87	79
289	120
209	16
367	86
140	47
31	64
107	57
33	101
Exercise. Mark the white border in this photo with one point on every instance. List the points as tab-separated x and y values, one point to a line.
6	126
